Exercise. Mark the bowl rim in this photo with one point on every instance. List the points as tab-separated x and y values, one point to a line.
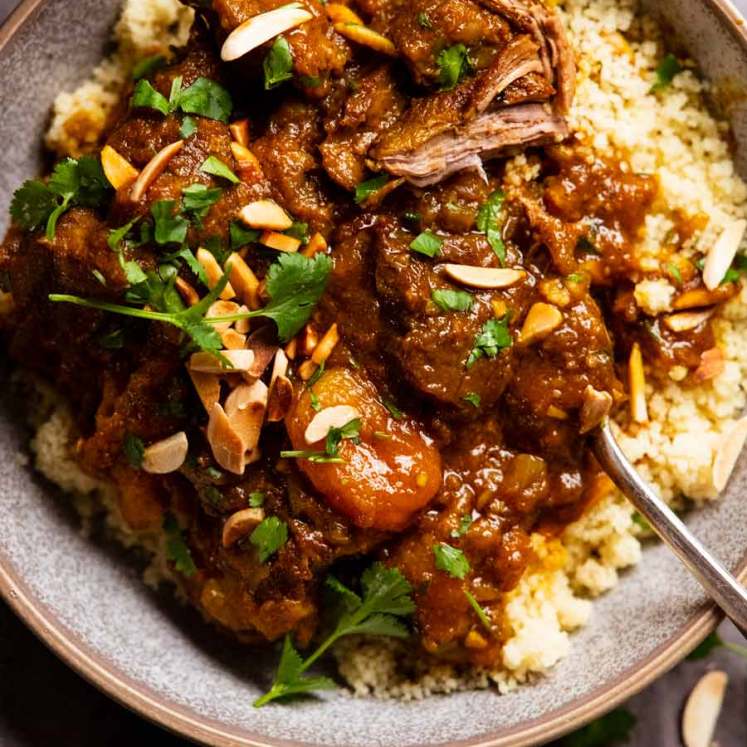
148	703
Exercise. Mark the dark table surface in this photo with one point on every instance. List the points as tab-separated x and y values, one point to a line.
44	704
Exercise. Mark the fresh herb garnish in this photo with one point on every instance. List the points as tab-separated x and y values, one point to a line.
278	64
453	65
170	226
451	560
464	524
674	271
365	189
36	204
118	235
316	457
394	411
241	236
204	97
479	611
177	550
216	167
473	399
133	448
424	21
452	300
331	454
269	536
610	729
386	598
113	340
199	198
257	499
146	97
188	127
148	65
493	337
668	69
316	405
427	243
490	222
299	230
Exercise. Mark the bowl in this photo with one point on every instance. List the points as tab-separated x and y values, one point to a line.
85	599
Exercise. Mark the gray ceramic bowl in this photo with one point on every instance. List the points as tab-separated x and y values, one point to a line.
90	606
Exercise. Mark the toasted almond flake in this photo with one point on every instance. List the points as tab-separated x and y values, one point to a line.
262	344
500	308
326	345
555	292
187	292
700	297
279	366
232	340
261	28
117	169
214	273
207	387
240	131
291	349
483	277
596	408
308	339
367	37
316	244
728	453
242	326
241	360
248	167
241	524
712	364
243	280
166	456
222	308
339	13
330	417
557	413
280	400
307	369
225	442
722	253
637	384
280	242
541	321
687	320
245	408
154	168
475	641
703	708
265	214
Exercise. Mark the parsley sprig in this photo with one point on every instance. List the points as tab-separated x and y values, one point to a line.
335	436
386	599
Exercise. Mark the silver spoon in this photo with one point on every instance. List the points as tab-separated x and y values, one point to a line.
721	586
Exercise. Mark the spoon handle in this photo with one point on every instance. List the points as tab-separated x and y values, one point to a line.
721	586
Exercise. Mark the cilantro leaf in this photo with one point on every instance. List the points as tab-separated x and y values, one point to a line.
188	128
170	226
464	524
216	167
133	448
148	65
256	499
451	560
117	235
365	189
427	243
493	337
146	97
614	727
424	21
453	65
386	597
177	550
452	300
350	431
472	398
299	230
490	222
206	98
394	411
278	64
199	198
269	536
479	611
241	236
32	205
666	72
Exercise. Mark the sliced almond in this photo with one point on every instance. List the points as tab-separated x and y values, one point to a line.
367	37
280	400
484	277
596	408
307	369
241	524
700	297
265	214
245	408
712	364
189	295
232	340
338	13
687	320
326	345
557	413
637	384
722	253
244	281
242	326
728	453
308	340
330	417
262	344
703	708
248	167
240	361
260	29
316	244
166	456
117	169
214	273
225	442
154	168
541	321
219	309
280	242
207	386
291	349
240	131
279	367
